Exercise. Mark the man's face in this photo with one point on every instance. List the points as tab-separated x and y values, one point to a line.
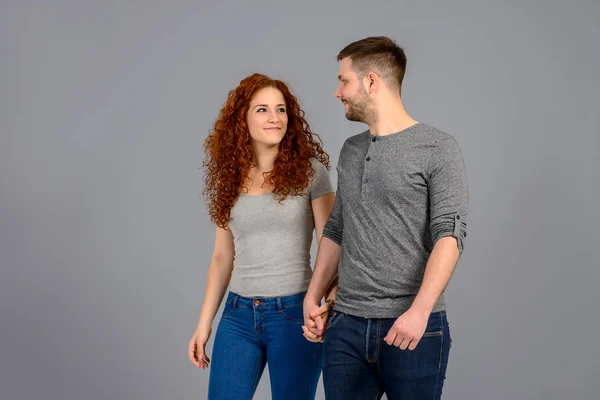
352	92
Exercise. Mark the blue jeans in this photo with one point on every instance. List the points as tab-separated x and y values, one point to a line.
359	364
254	332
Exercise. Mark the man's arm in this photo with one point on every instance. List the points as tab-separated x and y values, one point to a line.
322	210
448	222
328	255
438	271
324	273
330	295
448	200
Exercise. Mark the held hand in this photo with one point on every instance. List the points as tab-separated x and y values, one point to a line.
408	330
197	347
315	320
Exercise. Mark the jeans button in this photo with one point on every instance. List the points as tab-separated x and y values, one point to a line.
256	302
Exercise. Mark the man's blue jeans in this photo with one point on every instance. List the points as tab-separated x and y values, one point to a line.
359	364
253	332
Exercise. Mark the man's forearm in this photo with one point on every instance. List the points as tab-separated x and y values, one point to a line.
326	268
438	271
330	295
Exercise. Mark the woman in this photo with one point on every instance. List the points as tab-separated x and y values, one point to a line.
268	188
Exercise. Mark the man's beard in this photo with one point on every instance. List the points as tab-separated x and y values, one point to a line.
358	108
355	113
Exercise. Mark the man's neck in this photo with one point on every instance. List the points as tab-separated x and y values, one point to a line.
391	118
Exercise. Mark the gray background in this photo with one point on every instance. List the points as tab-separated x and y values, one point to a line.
105	239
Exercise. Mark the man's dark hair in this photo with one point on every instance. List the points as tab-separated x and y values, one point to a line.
379	54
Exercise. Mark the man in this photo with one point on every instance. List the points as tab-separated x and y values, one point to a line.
397	230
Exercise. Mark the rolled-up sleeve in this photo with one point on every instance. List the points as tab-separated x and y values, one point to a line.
334	227
448	193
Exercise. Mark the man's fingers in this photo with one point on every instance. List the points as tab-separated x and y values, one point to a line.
398	340
315	331
413	344
319	322
390	337
320	311
403	345
310	323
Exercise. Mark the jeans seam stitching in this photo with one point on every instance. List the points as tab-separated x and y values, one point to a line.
372	360
233	308
377	341
256	375
256	328
437	376
335	321
367	343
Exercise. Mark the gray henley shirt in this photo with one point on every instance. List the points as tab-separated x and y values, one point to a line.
397	195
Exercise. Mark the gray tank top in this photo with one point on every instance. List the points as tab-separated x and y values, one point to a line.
272	241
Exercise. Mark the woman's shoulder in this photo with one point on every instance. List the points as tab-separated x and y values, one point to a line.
317	166
321	181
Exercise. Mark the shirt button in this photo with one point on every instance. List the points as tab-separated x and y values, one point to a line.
373	140
366	181
368	158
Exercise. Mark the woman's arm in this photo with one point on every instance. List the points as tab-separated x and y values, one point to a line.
219	275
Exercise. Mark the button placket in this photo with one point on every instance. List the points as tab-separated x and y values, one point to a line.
367	166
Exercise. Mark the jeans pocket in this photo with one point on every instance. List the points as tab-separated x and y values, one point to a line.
435	325
293	312
228	309
433	333
333	319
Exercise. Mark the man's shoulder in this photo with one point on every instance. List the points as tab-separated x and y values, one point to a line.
356	139
435	136
354	143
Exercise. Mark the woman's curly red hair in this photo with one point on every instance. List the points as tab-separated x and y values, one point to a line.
229	153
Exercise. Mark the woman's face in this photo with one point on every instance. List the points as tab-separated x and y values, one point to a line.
267	117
